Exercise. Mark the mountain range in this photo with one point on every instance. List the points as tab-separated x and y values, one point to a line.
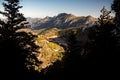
61	21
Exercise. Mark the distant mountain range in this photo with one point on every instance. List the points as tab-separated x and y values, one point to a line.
32	20
61	21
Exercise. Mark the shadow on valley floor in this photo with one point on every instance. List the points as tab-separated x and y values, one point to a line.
76	66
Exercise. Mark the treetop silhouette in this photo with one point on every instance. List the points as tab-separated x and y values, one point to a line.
17	46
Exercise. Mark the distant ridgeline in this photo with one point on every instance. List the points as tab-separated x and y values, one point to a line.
61	21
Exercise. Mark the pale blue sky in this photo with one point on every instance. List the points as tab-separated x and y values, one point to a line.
43	8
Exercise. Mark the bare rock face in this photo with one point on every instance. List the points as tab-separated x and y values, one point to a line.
63	21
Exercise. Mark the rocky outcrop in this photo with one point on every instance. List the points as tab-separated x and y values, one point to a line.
63	21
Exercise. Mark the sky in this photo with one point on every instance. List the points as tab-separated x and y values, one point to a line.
43	8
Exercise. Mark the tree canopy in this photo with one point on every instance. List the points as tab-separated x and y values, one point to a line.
17	47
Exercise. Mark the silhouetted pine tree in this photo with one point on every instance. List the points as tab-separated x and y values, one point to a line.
17	47
102	40
116	8
72	60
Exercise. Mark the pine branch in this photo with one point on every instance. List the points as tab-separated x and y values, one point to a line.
4	13
2	22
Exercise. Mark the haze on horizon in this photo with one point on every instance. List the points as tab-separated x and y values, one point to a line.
43	8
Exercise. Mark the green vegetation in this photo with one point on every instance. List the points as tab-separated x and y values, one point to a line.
50	51
51	32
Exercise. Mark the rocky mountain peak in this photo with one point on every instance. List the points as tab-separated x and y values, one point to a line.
63	20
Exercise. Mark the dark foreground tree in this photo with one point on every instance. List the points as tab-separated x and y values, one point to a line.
17	47
116	8
102	43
